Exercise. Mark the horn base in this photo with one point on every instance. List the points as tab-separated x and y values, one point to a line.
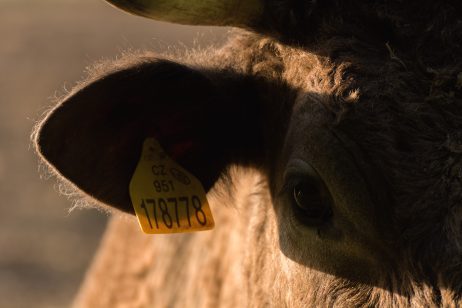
239	13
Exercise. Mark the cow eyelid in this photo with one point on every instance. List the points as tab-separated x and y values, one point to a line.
307	194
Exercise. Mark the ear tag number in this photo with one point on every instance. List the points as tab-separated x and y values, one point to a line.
166	197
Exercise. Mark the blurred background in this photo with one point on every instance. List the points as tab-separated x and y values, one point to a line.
45	47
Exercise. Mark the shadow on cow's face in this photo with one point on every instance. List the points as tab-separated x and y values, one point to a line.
333	208
331	198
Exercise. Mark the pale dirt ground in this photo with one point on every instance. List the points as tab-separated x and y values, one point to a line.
45	46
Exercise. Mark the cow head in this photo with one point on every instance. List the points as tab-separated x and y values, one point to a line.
360	146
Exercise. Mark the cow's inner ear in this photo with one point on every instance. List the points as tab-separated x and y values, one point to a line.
94	137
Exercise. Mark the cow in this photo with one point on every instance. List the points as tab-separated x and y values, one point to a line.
328	135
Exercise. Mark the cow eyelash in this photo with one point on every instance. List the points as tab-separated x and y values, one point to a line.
309	198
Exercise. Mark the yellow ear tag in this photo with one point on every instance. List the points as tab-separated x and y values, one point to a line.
166	197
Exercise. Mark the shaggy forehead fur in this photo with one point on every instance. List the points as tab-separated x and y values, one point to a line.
400	105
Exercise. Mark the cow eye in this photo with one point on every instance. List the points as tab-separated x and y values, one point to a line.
309	197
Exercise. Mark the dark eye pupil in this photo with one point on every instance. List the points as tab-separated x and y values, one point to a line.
311	200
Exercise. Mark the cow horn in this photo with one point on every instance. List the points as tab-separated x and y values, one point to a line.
239	13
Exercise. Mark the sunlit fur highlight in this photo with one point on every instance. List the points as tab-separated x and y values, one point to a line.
413	138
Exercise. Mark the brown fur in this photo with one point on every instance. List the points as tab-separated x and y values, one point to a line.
359	98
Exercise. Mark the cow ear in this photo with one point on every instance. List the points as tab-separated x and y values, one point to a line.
204	120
